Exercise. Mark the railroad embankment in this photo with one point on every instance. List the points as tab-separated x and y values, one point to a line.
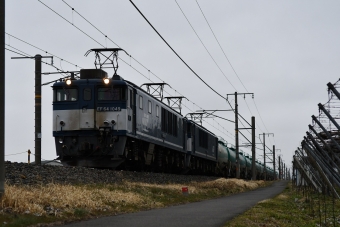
50	194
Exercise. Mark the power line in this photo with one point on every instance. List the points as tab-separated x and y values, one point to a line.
27	55
180	94
225	55
176	52
221	46
71	23
261	117
118	45
73	9
15	52
182	59
90	23
115	44
41	50
204	45
107	38
16	153
212	56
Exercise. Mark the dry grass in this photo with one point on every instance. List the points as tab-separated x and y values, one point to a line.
41	200
70	202
232	185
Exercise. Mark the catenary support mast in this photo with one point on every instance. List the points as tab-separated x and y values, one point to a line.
2	98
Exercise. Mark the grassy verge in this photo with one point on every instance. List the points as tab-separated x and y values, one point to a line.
292	208
54	203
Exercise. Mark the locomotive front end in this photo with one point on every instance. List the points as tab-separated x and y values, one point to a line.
90	119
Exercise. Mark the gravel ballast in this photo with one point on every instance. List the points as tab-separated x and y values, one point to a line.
30	174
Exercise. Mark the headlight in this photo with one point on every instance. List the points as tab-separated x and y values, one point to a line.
68	82
106	80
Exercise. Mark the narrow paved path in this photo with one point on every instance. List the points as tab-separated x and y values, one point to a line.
214	212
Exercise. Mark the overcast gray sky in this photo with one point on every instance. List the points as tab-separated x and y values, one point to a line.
285	52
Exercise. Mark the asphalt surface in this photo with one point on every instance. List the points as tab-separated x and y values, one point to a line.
214	212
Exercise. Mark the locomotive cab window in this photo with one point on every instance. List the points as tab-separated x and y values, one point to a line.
157	111
63	94
111	93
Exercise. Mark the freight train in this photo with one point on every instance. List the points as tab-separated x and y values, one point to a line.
109	122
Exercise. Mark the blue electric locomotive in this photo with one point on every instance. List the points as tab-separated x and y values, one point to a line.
109	122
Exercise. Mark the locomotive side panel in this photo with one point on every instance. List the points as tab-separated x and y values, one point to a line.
157	123
205	143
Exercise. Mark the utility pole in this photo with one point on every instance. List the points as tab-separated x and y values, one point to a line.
37	106
264	153
236	140
236	132
2	99
293	174
274	162
37	109
284	171
279	167
253	154
276	151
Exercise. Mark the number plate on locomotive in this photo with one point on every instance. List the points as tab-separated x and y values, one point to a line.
103	109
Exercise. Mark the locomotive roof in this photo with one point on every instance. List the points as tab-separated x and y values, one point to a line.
92	81
122	82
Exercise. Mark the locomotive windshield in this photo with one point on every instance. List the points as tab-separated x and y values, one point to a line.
110	93
65	94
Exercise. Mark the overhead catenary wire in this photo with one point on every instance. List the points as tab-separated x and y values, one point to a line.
108	39
232	67
30	56
221	47
213	60
90	23
71	23
169	94
181	58
15	52
42	50
103	35
205	46
15	153
177	53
